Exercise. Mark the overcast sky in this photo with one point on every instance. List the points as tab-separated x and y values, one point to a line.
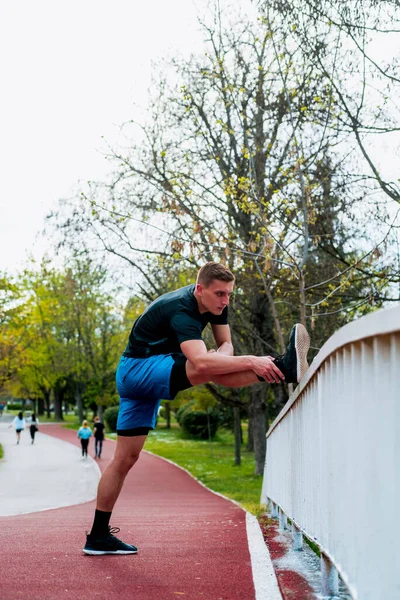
71	72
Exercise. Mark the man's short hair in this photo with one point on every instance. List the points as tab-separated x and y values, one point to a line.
211	271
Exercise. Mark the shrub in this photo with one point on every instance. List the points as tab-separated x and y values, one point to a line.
181	411
110	417
196	422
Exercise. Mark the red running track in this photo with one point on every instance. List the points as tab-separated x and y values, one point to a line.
191	543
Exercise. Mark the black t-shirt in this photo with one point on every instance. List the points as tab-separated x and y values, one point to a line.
98	431
170	320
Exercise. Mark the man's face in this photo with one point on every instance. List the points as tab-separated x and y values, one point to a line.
215	297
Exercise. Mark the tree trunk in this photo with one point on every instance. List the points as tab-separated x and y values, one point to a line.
262	323
250	439
100	412
303	318
79	403
46	394
168	414
258	411
41	406
238	434
277	323
58	400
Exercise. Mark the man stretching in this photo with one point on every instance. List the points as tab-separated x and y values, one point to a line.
166	354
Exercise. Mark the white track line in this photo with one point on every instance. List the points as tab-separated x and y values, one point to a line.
265	582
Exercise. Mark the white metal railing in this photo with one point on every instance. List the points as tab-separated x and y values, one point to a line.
333	458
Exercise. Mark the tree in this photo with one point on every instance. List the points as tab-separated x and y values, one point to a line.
11	327
235	164
68	337
96	328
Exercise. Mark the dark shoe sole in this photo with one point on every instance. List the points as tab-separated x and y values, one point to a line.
302	345
100	552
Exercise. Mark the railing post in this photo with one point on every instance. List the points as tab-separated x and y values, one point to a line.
329	578
274	512
297	538
282	520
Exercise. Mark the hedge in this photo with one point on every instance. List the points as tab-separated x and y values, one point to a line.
110	416
199	423
181	411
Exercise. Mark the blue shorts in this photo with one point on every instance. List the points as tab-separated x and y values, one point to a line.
142	383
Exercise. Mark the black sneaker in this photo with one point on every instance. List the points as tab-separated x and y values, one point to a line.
293	363
108	544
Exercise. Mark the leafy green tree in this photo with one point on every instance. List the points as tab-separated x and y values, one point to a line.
65	340
237	163
11	327
95	321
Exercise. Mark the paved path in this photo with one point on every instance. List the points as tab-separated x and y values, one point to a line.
27	470
192	543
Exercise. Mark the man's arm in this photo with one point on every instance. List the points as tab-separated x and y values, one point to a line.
222	337
216	363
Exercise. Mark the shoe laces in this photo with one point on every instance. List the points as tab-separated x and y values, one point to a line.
112	530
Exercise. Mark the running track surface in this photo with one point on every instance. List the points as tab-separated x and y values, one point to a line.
192	544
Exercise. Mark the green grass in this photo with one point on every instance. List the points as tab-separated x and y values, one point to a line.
1	452
69	418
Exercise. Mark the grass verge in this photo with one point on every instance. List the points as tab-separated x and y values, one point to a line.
68	418
1	452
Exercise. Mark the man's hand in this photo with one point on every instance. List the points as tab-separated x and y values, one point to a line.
266	368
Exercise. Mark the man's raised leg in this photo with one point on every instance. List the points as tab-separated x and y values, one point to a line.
235	380
293	364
